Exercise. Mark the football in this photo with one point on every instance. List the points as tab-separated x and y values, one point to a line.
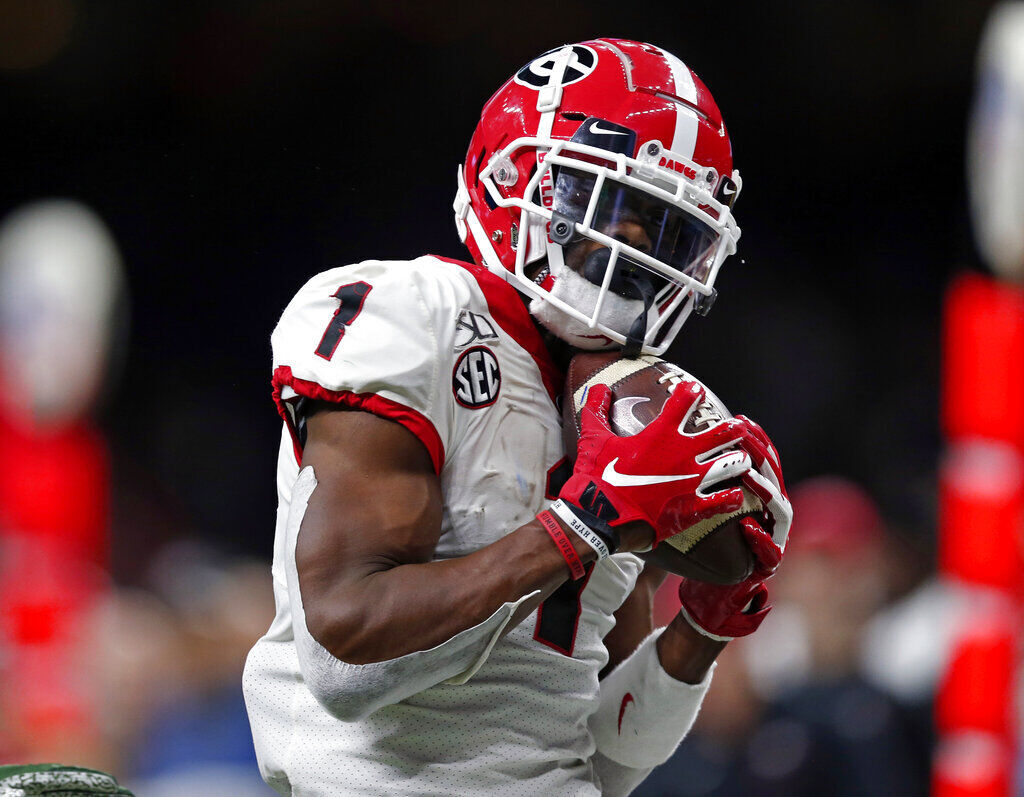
712	550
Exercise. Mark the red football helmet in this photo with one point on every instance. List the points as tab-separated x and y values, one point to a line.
600	182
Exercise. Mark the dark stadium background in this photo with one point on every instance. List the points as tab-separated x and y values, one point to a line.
237	148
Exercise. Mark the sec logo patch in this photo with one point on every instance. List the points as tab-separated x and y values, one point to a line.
476	379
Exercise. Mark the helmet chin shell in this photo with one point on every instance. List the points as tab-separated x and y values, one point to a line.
506	191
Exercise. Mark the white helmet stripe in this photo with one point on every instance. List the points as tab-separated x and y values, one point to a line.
684	141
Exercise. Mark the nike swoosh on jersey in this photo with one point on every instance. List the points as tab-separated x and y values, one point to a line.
619	479
626	700
602	132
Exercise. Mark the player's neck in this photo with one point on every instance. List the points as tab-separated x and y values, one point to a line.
560	351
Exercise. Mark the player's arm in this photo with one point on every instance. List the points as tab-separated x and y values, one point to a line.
369	587
649	700
680	652
376	620
685	654
367	534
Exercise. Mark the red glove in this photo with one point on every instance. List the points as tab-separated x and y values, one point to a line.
767	538
661	475
724	612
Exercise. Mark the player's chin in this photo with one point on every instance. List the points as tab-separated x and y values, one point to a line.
589	342
574	332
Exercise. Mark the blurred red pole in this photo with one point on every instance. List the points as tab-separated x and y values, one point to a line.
981	514
983	352
981	526
53	538
981	672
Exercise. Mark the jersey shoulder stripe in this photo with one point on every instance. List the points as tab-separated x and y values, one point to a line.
506	307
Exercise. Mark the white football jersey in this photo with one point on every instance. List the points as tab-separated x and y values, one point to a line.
449	351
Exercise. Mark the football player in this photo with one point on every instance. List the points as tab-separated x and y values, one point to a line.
459	612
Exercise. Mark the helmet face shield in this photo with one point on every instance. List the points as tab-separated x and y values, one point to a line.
662	232
667	233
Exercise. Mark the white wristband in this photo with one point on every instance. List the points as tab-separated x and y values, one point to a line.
644	712
590	537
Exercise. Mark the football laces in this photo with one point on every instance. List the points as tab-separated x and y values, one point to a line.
672	378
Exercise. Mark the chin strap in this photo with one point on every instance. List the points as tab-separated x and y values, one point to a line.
637	332
630	281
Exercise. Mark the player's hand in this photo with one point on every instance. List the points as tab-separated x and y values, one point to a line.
662	476
724	612
768	535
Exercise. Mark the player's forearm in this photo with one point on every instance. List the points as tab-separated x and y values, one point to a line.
685	654
370	632
387	613
644	710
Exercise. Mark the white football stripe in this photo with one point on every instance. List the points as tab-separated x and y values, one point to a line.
685	139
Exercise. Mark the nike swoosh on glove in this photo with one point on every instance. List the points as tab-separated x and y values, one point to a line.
662	475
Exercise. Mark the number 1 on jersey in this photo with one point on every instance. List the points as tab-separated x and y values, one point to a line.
558	617
351	298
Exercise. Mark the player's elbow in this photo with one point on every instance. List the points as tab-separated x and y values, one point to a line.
342	697
345	688
342	628
335	661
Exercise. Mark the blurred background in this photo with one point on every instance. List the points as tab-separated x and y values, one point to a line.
173	172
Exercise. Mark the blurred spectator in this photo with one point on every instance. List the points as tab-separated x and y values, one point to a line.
204	734
188	732
61	312
742	746
145	684
789	712
60	284
833	581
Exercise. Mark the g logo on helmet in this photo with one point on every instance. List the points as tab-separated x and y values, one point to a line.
537	73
